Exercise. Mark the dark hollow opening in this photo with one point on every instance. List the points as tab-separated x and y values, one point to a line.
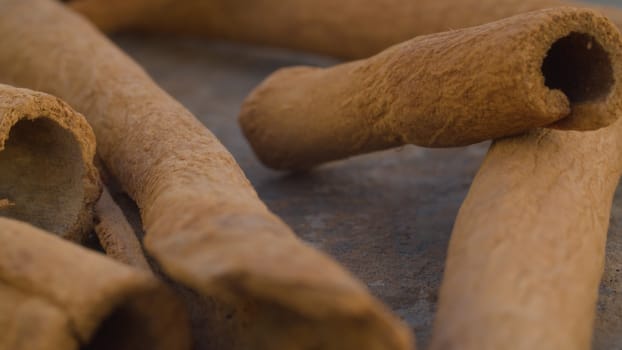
125	329
41	172
580	67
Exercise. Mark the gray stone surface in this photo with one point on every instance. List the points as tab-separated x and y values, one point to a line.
386	216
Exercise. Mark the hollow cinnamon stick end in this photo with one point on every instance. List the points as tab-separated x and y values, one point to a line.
47	175
586	65
134	323
108	305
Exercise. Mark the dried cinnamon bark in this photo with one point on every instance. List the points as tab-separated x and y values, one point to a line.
64	296
116	235
45	324
347	28
447	89
204	223
527	250
47	176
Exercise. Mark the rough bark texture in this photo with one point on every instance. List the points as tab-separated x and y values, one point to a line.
205	225
447	89
527	250
347	28
21	314
116	235
47	175
58	295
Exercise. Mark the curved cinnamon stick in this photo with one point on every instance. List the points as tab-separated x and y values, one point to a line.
527	251
448	89
107	305
47	175
346	28
204	223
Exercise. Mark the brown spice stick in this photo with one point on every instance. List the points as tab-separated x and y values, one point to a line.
204	223
107	305
116	235
347	28
46	163
527	250
447	89
44	323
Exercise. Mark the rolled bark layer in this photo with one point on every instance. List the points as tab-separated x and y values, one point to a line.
527	251
47	175
64	296
347	28
116	235
447	89
204	223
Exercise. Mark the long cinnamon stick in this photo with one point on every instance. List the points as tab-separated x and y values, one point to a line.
347	28
94	301
204	223
448	89
47	176
527	251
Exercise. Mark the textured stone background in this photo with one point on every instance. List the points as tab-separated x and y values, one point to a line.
386	216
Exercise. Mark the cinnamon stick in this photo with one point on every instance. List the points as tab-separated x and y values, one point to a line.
204	223
47	176
448	89
116	234
64	296
350	29
44	323
527	251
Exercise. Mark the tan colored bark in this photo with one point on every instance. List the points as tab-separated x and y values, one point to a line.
346	28
447	89
29	322
116	235
65	296
204	223
527	250
47	176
